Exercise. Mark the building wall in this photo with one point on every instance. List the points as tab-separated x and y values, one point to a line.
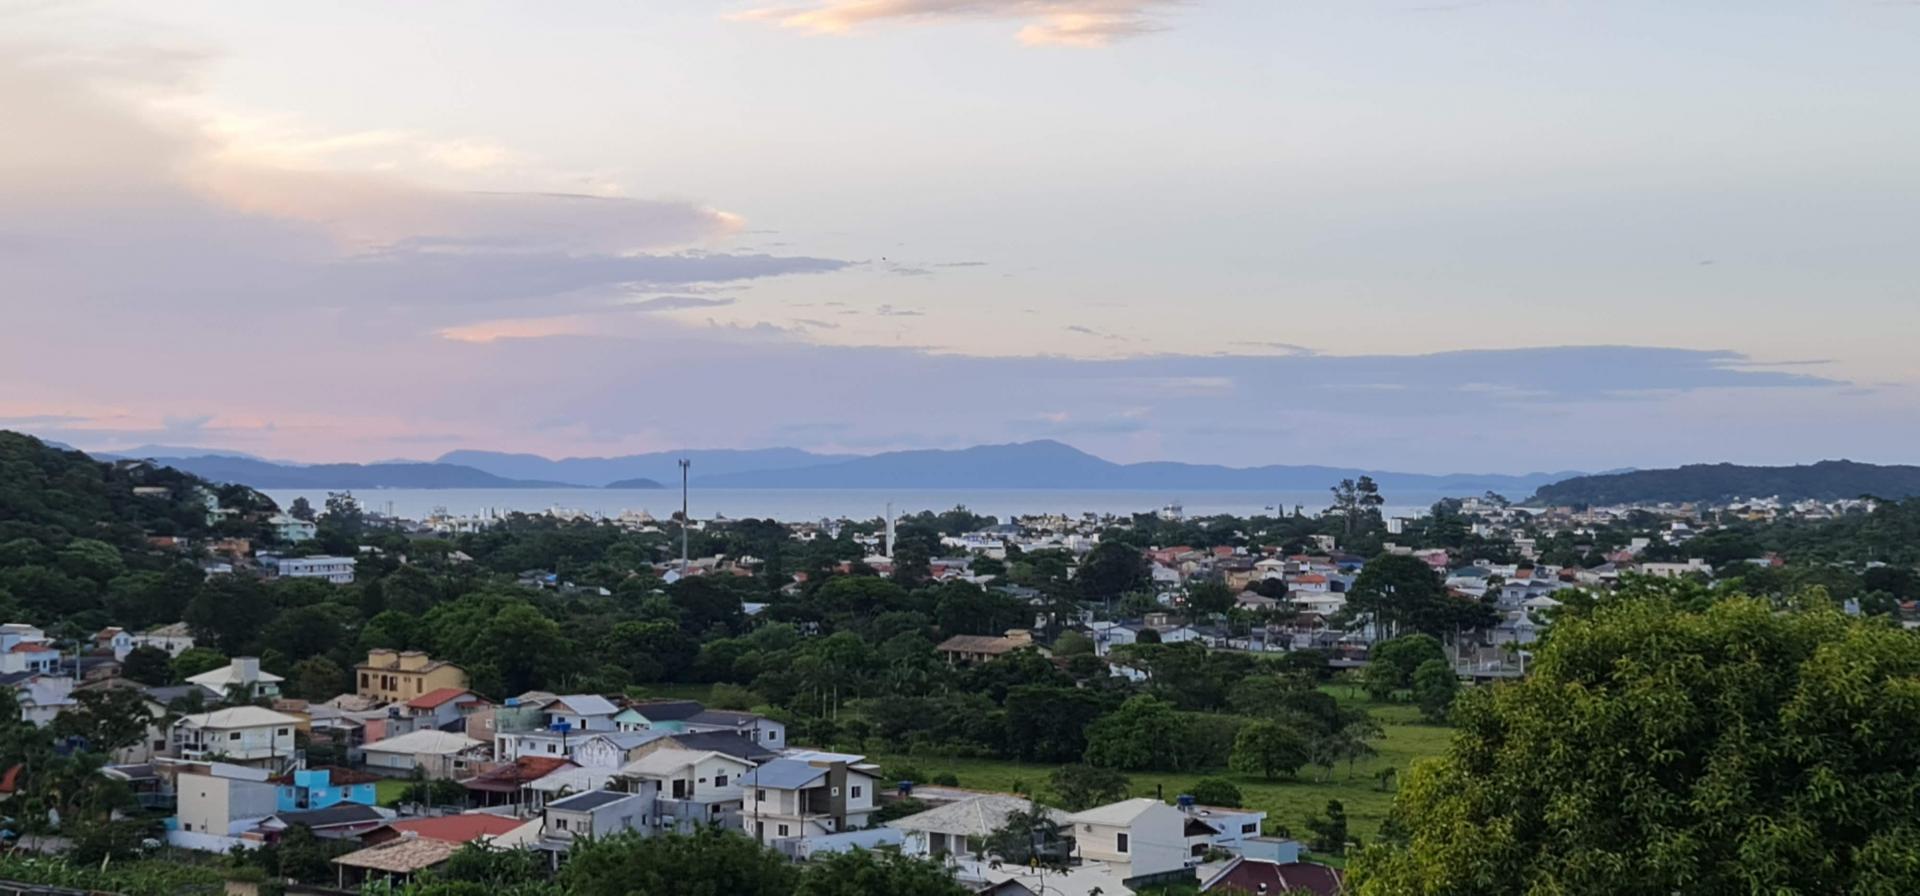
210	805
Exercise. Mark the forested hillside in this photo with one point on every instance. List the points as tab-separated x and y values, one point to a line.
1828	480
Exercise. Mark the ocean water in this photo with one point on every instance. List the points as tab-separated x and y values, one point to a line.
801	505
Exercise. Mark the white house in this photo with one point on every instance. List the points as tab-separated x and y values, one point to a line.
30	656
610	749
334	570
219	801
791	797
243	672
1144	834
581	712
175	639
115	640
436	754
594	814
241	735
958	828
290	529
692	786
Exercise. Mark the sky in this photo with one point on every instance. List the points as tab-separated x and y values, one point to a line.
1424	235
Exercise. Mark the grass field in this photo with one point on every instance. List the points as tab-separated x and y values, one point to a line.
1288	803
387	792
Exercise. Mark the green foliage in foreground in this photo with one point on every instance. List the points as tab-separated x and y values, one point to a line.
141	878
1657	749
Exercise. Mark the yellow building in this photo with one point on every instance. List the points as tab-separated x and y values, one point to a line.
395	676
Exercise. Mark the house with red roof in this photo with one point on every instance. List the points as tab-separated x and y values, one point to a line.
442	708
510	784
468	827
1250	876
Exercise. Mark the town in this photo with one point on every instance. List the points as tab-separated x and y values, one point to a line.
380	694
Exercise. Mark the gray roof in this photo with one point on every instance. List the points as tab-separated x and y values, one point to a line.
589	801
784	774
976	816
627	740
344	813
724	717
587	705
724	742
668	710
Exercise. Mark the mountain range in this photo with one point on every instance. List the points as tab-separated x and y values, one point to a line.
1041	464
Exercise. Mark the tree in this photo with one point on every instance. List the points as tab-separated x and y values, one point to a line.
1032	838
1144	733
1216	792
1111	569
147	665
1435	685
859	872
1404	595
1656	748
107	719
1357	503
195	660
711	861
1391	663
1072	643
1080	787
318	678
1206	599
1048	723
301	509
1330	830
1269	749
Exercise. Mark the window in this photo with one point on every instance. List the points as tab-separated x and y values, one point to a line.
1119	843
284	732
234	736
783	830
760	795
560	824
1250	828
854	791
719	780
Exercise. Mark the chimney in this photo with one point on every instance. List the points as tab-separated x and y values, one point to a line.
246	668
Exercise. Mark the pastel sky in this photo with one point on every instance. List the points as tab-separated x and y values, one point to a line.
1407	234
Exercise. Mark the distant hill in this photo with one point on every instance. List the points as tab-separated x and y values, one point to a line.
1050	464
265	474
659	466
1827	480
50	493
634	483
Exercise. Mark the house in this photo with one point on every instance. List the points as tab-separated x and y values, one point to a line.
113	640
754	727
37	657
41	697
691	786
155	701
581	712
791	797
961	649
242	676
320	567
657	715
961	827
324	787
395	677
595	814
1249	876
175	639
718	742
441	708
291	529
241	735
467	827
1144	834
218	802
395	862
1210	827
611	749
343	821
511	784
434	754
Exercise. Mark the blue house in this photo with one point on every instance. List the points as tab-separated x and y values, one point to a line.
320	788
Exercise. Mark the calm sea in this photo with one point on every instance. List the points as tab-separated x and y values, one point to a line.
799	505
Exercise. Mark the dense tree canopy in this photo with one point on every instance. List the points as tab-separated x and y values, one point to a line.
1656	749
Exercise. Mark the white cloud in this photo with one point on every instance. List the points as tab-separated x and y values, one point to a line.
1070	23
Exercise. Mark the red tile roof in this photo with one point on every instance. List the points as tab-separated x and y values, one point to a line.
1258	876
458	828
434	698
31	648
524	770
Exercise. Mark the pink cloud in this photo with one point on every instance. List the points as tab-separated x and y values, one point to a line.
1069	23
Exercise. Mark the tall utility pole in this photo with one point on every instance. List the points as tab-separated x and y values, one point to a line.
685	520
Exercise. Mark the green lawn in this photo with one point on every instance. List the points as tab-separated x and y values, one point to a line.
387	791
1288	802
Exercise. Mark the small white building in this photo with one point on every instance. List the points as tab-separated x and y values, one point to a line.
241	735
291	529
435	754
693	786
243	673
1145	835
594	814
218	801
175	639
334	570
